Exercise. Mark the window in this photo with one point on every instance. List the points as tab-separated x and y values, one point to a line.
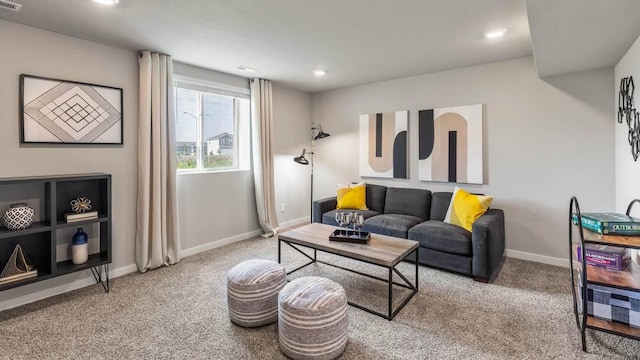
211	126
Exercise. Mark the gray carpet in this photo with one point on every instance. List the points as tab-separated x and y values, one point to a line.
180	312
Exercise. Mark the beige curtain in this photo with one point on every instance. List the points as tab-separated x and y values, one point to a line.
262	149
157	235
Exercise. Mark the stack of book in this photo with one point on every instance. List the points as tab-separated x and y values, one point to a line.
81	216
609	223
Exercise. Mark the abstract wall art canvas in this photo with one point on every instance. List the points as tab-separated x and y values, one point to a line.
450	144
68	112
384	145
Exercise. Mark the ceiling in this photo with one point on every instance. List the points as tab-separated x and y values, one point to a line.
355	41
577	35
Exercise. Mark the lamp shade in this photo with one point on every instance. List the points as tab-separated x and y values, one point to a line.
321	134
301	159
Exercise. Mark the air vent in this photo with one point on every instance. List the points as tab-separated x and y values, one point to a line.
4	4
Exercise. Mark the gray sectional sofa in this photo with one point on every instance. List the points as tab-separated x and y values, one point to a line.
418	214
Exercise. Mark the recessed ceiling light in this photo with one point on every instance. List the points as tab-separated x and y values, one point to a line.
495	33
245	68
107	2
319	73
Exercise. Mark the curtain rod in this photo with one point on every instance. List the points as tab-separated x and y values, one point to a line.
159	53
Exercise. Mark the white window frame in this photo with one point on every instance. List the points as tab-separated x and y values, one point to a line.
240	161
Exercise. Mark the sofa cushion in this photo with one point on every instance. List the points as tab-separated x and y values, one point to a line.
375	197
439	204
329	217
391	224
414	202
438	235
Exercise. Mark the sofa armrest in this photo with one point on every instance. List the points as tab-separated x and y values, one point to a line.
321	206
487	242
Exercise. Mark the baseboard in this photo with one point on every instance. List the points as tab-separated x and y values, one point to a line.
230	240
63	288
218	243
537	258
295	222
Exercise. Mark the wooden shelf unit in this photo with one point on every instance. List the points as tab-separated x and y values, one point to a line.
627	279
50	197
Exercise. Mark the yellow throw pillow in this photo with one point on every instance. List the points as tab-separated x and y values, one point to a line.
466	208
354	197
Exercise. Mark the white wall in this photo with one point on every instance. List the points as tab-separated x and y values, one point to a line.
545	140
627	170
292	132
215	208
36	52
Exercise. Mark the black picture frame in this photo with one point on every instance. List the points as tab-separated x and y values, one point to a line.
55	111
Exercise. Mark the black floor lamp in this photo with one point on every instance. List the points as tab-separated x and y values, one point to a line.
316	134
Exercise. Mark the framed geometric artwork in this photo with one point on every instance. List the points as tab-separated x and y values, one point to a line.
69	112
450	144
384	145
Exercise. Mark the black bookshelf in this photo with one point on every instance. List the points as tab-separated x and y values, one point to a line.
50	197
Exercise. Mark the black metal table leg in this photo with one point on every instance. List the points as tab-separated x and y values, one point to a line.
390	305
417	257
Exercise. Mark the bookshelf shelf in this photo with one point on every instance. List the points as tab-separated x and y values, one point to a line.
583	275
40	226
627	279
632	242
612	327
44	241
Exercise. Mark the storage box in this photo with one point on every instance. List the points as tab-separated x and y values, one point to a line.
613	304
608	257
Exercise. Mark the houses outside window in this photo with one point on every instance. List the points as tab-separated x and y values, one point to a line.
211	127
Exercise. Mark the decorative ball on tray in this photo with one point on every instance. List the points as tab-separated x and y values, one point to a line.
80	205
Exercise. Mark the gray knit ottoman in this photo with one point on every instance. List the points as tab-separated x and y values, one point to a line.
312	319
252	292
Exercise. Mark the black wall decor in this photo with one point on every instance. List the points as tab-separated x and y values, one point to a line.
627	111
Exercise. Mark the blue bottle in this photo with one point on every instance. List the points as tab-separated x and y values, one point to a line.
79	247
80	237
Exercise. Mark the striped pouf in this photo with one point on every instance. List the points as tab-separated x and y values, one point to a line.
252	292
312	319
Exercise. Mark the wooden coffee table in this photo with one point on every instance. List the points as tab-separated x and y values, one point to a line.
381	250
